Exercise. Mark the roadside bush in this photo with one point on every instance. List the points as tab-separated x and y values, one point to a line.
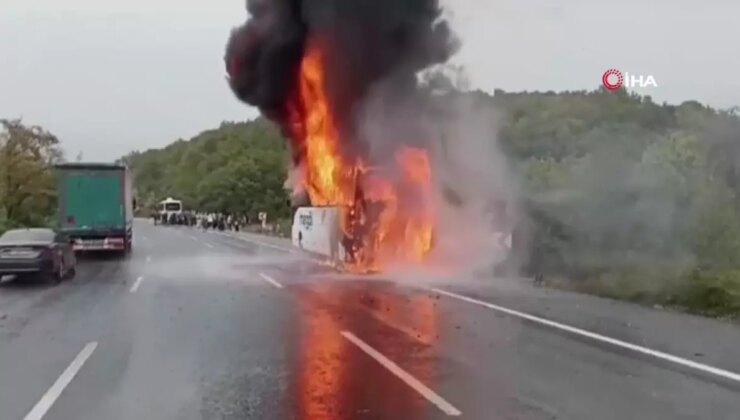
712	292
5	224
643	220
283	228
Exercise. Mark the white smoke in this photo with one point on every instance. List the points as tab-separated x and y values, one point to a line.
474	194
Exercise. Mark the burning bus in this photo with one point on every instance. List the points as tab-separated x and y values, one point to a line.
341	80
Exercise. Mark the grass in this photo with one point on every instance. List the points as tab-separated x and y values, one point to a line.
712	293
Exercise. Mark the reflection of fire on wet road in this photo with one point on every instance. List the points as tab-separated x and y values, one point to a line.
414	316
321	367
335	380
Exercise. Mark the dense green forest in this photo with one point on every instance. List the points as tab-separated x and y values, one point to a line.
239	168
627	197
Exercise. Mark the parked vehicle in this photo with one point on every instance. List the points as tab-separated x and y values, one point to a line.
170	211
42	252
96	206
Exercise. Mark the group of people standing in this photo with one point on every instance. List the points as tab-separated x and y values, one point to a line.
180	219
216	221
220	221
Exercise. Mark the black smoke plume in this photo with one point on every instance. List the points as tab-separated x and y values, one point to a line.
363	42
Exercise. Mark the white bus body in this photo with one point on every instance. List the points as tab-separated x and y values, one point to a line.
317	230
166	208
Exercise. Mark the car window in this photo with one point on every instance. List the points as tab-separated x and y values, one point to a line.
32	235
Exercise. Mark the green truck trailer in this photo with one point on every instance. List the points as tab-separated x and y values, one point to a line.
96	206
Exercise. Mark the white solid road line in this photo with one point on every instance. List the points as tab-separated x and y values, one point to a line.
601	338
209	245
136	285
271	280
45	403
414	383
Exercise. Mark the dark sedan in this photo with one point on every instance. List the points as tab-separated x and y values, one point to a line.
41	252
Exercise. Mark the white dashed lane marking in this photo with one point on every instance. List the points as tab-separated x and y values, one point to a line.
136	285
42	407
406	377
271	280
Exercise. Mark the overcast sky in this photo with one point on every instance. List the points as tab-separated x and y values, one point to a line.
111	76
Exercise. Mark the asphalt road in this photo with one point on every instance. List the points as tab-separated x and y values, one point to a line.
200	325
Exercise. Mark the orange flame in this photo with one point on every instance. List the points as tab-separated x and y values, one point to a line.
326	177
387	218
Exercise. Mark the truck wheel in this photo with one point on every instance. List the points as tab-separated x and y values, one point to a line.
56	276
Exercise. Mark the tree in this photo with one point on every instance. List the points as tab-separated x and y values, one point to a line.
237	168
27	154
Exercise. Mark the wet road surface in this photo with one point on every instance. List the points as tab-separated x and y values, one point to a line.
199	325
